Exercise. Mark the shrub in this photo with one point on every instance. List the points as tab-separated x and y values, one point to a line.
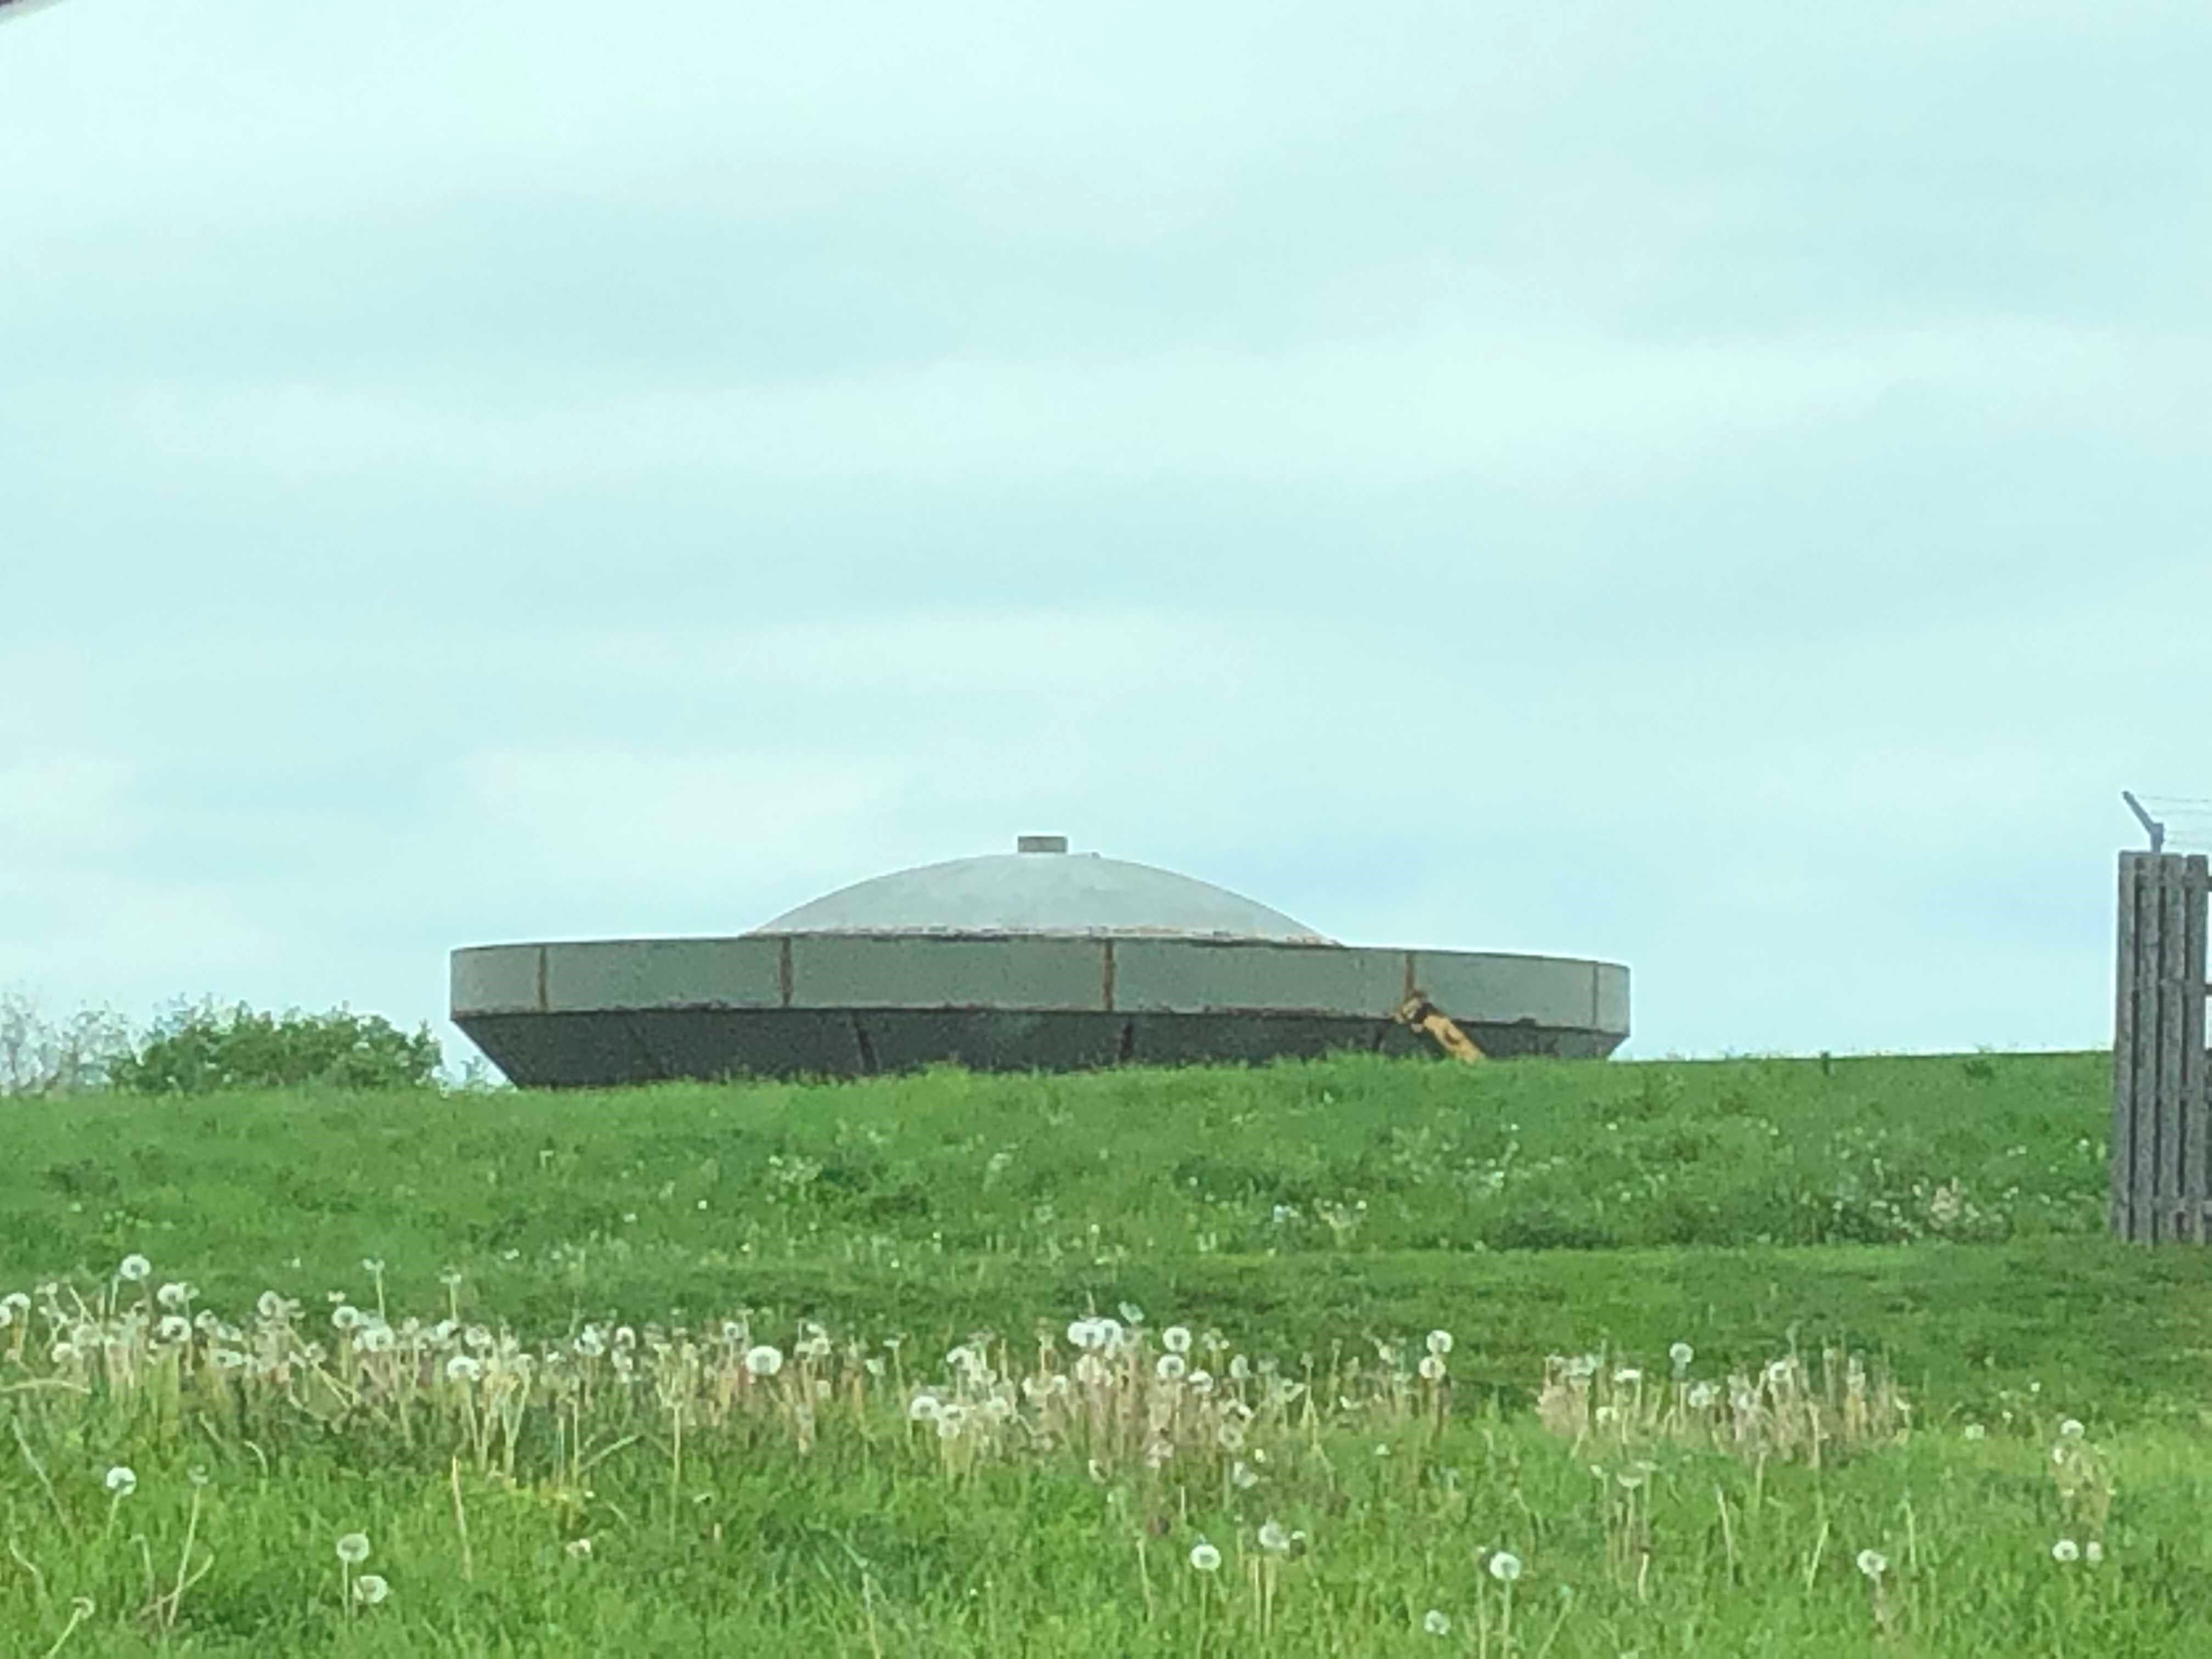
40	1059
199	1050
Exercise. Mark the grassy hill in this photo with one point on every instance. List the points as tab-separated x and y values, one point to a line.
1944	1216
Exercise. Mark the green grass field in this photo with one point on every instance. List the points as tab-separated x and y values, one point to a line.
638	1370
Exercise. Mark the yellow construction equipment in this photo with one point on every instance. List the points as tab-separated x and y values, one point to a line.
1423	1014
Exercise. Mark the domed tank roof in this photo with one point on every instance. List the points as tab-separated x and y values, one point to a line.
1043	889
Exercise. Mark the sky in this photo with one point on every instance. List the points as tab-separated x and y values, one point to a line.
1714	486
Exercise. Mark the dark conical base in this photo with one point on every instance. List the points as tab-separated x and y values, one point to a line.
608	1047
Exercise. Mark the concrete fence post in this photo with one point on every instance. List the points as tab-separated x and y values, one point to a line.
2161	1136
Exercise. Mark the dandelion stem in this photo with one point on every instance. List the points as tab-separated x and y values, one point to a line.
38	1470
1727	1533
461	1521
184	1559
79	1610
1812	1563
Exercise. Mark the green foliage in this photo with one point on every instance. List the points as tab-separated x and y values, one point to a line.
201	1049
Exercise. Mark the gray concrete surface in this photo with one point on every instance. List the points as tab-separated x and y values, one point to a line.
1038	960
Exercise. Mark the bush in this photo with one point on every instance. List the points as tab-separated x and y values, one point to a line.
198	1050
41	1059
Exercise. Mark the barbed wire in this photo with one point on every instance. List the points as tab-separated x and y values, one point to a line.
2185	821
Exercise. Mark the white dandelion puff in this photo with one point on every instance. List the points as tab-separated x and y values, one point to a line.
1205	1557
1681	1354
1274	1538
2093	1552
2071	1429
463	1367
1435	1622
370	1589
2065	1550
1171	1367
353	1548
1505	1567
1431	1368
1873	1563
134	1267
122	1481
1175	1339
764	1360
1440	1342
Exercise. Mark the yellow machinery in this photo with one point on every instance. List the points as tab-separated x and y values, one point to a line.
1418	1012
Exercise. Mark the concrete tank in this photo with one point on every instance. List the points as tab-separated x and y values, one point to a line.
1038	959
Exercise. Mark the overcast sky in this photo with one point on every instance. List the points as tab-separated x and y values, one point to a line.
1721	488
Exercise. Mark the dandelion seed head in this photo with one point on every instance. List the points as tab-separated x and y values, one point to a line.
1274	1538
1440	1342
1175	1339
1435	1623
1681	1353
353	1548
1626	1374
122	1481
1171	1367
2065	1550
174	1294
2071	1429
1504	1566
2093	1552
763	1360
370	1589
174	1327
1205	1557
134	1267
1243	1475
1431	1367
1873	1563
463	1367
